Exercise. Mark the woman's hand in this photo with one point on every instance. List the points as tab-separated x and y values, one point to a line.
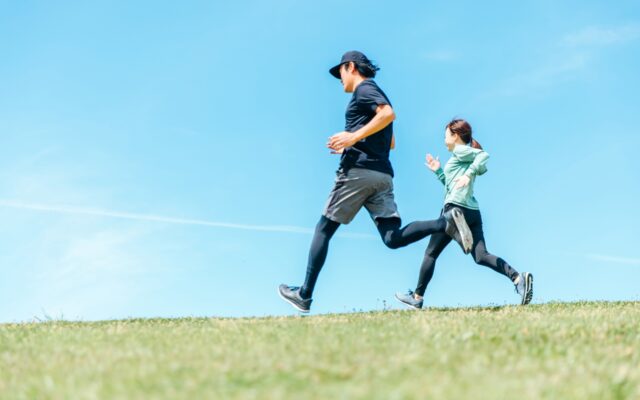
462	181
432	163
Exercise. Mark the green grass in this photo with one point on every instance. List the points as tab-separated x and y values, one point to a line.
554	351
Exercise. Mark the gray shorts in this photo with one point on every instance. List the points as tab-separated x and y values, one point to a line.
361	187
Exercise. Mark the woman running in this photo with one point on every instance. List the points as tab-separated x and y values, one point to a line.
468	160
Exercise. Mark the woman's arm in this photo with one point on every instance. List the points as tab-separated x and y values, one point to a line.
477	167
479	164
434	165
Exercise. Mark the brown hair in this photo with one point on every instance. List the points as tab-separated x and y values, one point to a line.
462	128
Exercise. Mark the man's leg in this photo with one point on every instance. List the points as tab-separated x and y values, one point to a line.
345	200
349	193
384	212
395	237
318	254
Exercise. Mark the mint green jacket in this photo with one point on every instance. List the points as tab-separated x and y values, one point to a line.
465	160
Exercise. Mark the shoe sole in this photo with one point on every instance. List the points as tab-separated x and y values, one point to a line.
463	229
408	305
297	307
528	289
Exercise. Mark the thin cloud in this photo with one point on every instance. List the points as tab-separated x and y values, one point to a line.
614	259
541	77
577	50
440	55
165	219
602	36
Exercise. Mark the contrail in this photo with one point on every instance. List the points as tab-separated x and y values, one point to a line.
169	220
615	259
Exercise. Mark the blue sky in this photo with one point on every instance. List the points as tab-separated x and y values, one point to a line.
168	159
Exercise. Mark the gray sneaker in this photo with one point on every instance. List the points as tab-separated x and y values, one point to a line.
524	288
291	294
458	229
409	299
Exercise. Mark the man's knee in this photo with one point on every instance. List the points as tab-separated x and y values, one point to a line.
391	242
389	231
325	225
480	257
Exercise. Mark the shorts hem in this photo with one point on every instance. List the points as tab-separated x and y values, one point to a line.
394	215
336	219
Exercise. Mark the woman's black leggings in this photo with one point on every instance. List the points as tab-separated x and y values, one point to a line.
479	251
391	233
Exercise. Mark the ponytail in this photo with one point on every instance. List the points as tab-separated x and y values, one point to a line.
475	144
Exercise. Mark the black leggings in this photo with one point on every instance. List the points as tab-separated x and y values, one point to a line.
391	233
479	251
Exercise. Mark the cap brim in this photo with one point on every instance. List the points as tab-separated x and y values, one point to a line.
335	71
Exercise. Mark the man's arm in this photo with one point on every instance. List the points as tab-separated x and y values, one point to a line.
393	141
384	116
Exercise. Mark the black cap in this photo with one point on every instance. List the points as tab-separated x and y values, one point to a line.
349	56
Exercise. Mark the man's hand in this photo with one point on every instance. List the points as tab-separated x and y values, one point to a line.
462	182
432	163
384	116
341	140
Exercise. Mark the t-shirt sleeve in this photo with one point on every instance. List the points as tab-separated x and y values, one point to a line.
369	97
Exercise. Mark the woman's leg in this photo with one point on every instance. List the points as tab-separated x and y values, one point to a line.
482	257
479	249
437	243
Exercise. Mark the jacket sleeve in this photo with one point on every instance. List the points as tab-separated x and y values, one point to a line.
479	164
440	175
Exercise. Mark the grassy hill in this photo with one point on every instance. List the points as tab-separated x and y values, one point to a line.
554	351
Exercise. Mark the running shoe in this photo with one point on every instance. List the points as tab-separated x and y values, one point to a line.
291	294
458	229
409	299
524	287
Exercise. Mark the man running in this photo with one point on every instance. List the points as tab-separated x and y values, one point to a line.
364	177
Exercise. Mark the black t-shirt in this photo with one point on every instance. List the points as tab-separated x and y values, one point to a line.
371	152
